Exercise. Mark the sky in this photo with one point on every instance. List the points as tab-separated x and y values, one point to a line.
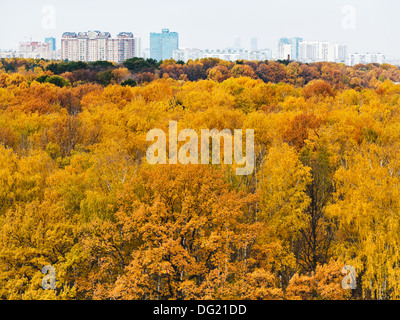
364	25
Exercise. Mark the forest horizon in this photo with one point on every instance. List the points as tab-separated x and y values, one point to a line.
84	215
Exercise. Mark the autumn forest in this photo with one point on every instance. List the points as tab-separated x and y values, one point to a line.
77	193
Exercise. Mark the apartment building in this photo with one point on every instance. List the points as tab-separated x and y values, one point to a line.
316	51
98	46
186	54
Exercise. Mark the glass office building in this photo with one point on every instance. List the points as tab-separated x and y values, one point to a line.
296	47
52	42
163	45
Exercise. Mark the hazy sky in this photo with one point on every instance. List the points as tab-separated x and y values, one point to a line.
211	23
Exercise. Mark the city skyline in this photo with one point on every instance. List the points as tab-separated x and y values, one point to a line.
96	45
366	26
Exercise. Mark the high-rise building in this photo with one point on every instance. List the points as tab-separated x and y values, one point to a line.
285	49
288	48
307	51
97	46
52	42
340	52
237	43
163	45
315	51
138	46
295	42
254	44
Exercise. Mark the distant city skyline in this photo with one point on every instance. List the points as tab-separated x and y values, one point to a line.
365	26
95	45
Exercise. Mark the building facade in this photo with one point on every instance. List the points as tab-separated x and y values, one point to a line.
187	54
52	42
284	49
318	51
33	50
163	45
296	49
36	50
98	46
365	58
288	48
260	55
254	44
224	54
295	44
138	46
